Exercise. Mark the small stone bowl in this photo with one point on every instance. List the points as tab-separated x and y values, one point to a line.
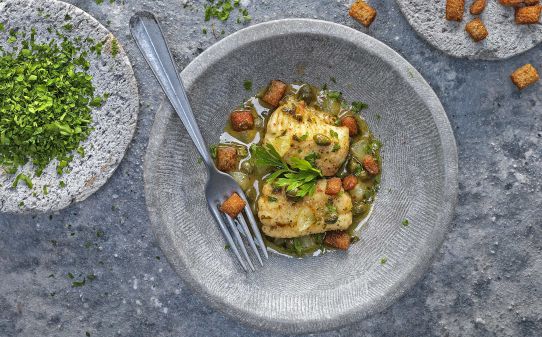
419	180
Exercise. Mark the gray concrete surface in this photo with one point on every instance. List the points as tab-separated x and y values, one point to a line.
486	280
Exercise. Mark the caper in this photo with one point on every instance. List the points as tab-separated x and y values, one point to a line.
359	208
306	94
242	151
277	189
331	218
353	166
321	139
292	195
247	167
363	175
258	123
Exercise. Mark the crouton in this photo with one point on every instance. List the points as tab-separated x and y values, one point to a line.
233	205
333	186
370	164
476	30
362	13
337	239
455	9
478	7
226	158
525	76
511	3
528	15
242	120
274	93
531	2
352	125
349	182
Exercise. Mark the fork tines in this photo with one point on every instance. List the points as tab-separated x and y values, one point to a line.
234	232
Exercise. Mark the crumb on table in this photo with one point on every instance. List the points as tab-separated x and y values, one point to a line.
362	12
478	7
525	76
476	29
455	9
528	14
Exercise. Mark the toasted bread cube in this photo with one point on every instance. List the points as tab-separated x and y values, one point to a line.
478	7
455	9
333	186
511	3
274	93
242	120
531	2
528	15
476	30
370	164
226	158
233	205
352	125
349	182
362	13
337	239
525	76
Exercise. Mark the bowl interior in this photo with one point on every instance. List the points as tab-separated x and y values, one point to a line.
418	180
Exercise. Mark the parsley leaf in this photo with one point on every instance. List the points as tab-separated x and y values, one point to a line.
358	106
299	175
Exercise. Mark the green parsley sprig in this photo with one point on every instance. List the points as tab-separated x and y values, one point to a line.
299	175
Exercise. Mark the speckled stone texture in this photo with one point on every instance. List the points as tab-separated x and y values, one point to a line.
485	281
113	123
505	38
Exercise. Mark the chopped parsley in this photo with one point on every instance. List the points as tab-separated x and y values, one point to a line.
115	48
222	9
45	102
81	283
272	199
358	106
212	149
383	260
247	84
336	147
23	177
334	94
405	222
334	134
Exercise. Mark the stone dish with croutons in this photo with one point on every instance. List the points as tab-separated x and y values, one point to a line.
411	213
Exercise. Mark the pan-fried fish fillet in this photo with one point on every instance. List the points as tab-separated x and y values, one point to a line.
291	130
282	218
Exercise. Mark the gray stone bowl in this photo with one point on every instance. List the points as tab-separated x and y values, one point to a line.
419	181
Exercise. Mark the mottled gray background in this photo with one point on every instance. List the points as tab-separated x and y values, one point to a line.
486	280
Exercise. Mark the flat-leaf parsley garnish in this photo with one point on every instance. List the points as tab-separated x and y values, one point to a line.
298	176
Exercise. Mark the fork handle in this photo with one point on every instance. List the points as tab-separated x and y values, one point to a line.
150	40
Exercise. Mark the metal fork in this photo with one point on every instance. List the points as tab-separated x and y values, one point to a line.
150	40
